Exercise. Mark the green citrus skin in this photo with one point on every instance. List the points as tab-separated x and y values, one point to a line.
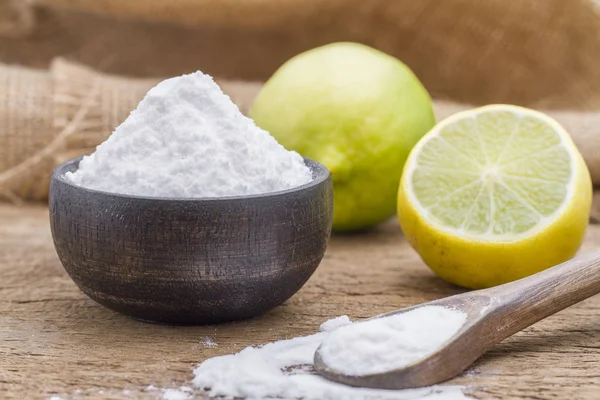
356	110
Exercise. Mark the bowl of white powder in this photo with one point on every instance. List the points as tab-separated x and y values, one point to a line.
189	213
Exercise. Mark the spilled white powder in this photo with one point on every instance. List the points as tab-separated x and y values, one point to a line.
283	369
183	393
186	138
335	323
207	341
385	344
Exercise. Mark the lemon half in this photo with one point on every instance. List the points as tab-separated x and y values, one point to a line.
494	194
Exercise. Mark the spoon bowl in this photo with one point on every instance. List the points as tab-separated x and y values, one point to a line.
190	261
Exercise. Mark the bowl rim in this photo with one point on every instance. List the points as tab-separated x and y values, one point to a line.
319	171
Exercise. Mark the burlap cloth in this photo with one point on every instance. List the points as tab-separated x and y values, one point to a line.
537	53
540	53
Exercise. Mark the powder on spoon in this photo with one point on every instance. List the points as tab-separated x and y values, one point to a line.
186	138
283	369
385	344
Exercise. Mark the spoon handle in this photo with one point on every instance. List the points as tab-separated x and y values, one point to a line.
526	301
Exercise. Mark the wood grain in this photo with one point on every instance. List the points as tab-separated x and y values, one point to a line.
54	340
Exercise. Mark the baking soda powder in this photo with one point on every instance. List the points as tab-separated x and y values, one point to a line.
187	139
385	344
284	369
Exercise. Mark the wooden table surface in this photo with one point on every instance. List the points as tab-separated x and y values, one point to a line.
55	341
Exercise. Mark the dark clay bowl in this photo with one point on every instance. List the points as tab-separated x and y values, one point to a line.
190	261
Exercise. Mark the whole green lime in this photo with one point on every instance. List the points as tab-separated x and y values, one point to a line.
356	110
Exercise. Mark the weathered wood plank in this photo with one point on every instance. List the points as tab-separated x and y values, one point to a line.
55	341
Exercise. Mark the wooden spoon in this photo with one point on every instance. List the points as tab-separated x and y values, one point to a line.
492	315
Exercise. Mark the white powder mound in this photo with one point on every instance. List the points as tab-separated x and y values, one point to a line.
187	139
384	344
284	370
335	323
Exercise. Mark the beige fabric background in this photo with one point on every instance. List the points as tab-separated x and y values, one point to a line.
531	52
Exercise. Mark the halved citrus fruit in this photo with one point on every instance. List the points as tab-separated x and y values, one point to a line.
494	194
